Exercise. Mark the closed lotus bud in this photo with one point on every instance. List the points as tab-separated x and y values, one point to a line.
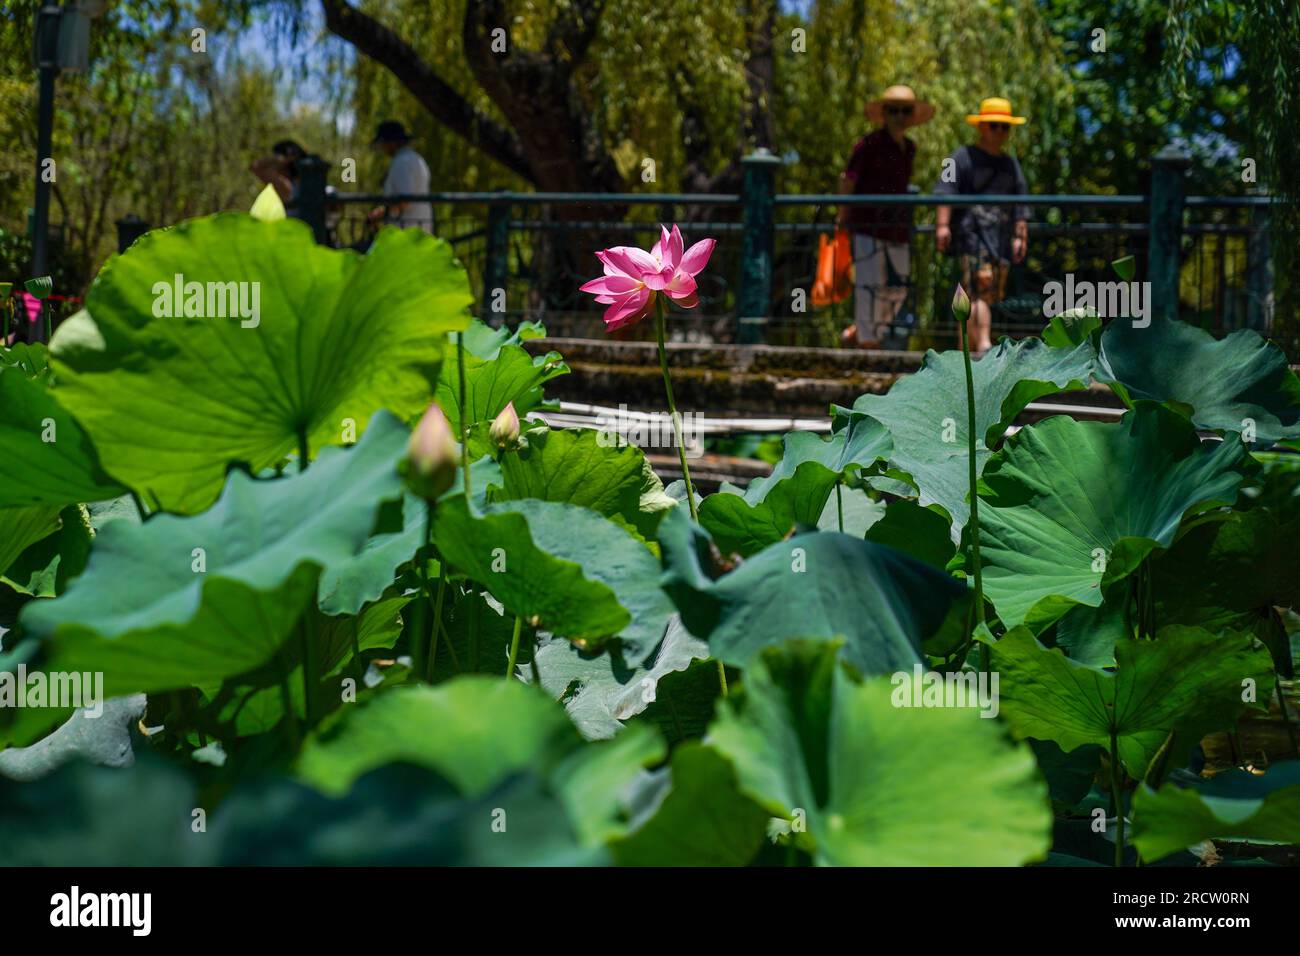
505	428
960	303
431	456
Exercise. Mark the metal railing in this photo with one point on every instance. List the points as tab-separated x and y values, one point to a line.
1207	258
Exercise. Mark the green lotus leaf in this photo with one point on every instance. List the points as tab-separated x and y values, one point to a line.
865	783
601	690
22	527
694	815
1186	677
346	587
1242	566
169	402
486	342
45	456
254	702
399	815
561	567
798	489
513	376
596	782
912	529
1071	328
821	585
1233	385
926	412
854	509
582	467
475	730
154	612
1071	506
32	358
1235	805
44	568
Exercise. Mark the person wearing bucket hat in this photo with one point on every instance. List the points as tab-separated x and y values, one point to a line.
986	239
408	175
881	164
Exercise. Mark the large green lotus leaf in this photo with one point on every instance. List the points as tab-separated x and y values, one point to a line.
254	702
1227	384
345	588
694	815
486	342
854	509
926	412
797	490
879	785
1071	328
1071	506
144	615
1186	677
582	467
596	782
169	402
821	585
912	529
31	358
474	730
564	568
1235	805
1229	573
21	528
44	568
513	376
399	815
45	456
601	690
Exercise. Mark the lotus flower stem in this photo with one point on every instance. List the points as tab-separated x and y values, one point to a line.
514	647
970	459
1116	782
839	505
722	677
437	618
303	450
464	422
672	411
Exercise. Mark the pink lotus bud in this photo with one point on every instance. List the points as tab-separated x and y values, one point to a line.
505	428
961	304
429	468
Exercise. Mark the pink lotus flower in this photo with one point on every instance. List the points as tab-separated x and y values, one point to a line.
633	277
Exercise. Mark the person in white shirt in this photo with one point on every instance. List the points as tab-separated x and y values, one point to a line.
408	174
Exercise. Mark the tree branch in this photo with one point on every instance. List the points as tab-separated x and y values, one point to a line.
441	101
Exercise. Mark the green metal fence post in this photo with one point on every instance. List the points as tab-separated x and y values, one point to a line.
754	293
1259	268
496	268
1164	257
310	206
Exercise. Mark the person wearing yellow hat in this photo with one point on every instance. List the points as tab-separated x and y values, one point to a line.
987	239
881	164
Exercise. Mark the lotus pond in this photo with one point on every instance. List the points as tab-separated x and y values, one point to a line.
320	623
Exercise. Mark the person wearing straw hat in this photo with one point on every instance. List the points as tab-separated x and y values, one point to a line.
881	164
986	239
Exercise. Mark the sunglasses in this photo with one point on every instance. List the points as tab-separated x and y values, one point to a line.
898	110
999	127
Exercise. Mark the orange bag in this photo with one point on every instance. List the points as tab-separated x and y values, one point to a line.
834	281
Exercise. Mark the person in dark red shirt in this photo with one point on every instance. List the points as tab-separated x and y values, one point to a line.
881	163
